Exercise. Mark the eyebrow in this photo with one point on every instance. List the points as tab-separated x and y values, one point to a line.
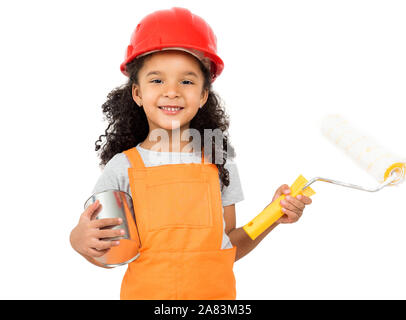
187	73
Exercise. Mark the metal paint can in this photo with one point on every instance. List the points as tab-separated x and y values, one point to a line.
118	204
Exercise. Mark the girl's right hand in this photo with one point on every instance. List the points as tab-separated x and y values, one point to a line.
86	237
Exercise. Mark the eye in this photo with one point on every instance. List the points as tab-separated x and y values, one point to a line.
153	81
189	82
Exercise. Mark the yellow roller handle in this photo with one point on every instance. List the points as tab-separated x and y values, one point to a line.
273	211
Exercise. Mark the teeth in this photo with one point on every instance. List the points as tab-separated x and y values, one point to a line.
170	109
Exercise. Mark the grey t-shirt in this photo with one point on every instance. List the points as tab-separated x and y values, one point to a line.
115	176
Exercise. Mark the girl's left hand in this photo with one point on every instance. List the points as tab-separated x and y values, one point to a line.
291	207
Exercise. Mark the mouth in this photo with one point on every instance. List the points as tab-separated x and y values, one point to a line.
171	110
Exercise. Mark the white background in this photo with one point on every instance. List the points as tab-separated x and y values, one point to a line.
287	64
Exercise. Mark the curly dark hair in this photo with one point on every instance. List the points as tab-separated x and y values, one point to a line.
128	123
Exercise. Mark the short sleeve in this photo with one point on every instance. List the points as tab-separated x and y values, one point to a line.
114	175
232	193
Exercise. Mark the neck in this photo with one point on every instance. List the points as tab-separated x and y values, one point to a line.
170	141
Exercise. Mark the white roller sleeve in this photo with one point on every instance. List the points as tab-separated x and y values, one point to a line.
364	150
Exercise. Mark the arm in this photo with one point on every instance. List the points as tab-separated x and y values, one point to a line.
293	209
238	236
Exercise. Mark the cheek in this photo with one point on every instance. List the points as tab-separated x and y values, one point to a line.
150	97
193	98
190	113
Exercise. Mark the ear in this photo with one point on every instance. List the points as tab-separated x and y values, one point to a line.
204	97
136	93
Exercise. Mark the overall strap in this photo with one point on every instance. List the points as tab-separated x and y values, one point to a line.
202	155
135	158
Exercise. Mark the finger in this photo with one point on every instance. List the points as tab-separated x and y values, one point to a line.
93	252
287	219
105	244
287	205
283	189
102	223
96	212
304	199
90	210
283	219
297	203
100	234
291	216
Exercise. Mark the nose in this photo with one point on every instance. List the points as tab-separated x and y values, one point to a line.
171	90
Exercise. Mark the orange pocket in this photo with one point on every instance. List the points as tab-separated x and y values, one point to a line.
186	275
185	204
210	275
150	277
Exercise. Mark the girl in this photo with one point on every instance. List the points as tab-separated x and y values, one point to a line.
184	202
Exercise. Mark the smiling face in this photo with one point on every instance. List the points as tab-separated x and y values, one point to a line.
170	78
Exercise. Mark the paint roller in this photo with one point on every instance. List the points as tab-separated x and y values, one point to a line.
387	168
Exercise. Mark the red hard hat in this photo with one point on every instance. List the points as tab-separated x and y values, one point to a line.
175	28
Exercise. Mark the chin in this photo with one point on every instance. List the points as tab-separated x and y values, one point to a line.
171	125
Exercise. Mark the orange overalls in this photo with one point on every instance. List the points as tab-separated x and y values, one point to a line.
179	217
